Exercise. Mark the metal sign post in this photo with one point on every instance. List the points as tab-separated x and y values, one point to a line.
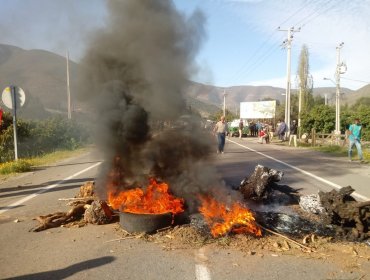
14	105
13	97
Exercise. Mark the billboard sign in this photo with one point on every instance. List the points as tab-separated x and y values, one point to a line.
258	110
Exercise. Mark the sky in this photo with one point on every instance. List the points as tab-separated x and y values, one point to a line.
242	46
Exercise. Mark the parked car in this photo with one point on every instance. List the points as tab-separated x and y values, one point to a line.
234	128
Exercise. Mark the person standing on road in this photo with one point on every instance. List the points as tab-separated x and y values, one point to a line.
293	133
220	130
271	131
354	138
241	126
281	130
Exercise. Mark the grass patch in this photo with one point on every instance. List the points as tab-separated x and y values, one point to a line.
22	165
343	151
25	165
333	149
56	156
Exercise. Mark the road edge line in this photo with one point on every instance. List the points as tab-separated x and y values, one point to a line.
44	189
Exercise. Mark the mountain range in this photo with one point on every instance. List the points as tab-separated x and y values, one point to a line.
43	77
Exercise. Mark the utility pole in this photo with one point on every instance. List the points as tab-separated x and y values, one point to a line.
339	70
68	90
288	44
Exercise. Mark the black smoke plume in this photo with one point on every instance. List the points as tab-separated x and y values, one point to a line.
134	77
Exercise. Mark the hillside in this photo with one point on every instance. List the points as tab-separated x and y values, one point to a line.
42	75
234	95
362	92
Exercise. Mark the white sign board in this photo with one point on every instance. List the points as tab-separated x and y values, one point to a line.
258	110
19	95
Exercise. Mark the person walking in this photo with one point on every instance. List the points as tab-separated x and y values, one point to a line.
354	138
293	133
241	127
220	130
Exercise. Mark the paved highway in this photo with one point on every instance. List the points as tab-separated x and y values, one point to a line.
304	169
87	253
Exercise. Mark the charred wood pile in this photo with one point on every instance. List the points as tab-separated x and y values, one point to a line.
98	213
86	208
87	190
60	218
339	213
351	218
262	186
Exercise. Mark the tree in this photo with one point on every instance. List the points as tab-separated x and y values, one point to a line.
320	117
305	80
229	116
294	104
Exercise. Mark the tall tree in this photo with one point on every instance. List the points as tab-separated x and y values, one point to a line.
305	80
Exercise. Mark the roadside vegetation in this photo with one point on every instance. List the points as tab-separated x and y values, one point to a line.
39	142
27	164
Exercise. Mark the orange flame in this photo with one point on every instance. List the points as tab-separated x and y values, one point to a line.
221	221
155	200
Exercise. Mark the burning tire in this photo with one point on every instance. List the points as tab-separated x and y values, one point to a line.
148	223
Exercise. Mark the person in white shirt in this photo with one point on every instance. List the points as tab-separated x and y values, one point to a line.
220	130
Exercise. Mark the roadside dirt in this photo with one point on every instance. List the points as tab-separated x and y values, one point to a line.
349	256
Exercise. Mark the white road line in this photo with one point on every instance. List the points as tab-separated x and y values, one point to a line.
201	270
334	185
44	189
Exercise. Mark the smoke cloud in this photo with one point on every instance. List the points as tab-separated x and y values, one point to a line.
134	76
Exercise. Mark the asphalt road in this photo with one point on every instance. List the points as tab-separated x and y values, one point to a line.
88	253
304	169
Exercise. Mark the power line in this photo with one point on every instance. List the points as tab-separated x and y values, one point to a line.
257	63
319	12
298	10
253	60
355	80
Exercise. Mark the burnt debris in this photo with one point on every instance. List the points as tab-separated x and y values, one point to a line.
262	186
351	218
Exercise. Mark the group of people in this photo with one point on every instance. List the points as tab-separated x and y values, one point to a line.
354	134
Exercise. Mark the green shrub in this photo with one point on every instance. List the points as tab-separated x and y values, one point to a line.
37	138
18	166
